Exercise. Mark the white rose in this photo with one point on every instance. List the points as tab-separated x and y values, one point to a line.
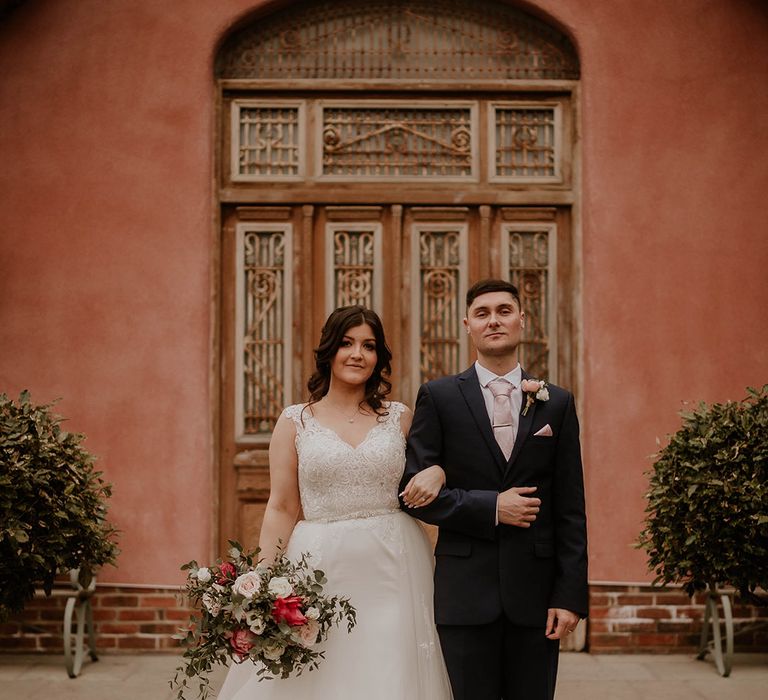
255	623
273	651
218	587
543	394
247	584
307	633
211	604
312	613
280	586
203	574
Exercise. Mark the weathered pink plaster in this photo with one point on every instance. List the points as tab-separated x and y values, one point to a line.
106	113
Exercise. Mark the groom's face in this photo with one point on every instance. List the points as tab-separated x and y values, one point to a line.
495	323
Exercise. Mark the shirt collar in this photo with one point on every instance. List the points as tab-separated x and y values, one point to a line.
485	376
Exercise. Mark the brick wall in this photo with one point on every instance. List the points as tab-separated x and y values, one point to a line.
643	619
623	619
127	619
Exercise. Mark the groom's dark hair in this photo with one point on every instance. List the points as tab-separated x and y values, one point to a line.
492	285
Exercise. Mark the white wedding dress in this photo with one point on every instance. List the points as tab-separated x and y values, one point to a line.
371	552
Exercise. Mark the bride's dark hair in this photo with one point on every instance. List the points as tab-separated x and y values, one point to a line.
336	326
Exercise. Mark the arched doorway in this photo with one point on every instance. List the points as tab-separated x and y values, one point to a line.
387	154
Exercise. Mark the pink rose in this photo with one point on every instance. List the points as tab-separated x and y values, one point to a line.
226	573
247	584
289	610
533	389
530	385
307	633
241	642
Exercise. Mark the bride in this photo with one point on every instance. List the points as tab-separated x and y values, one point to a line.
335	464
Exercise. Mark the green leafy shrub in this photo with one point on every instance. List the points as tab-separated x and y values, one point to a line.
52	504
707	514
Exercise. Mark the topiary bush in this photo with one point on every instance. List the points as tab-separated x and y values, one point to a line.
52	504
707	514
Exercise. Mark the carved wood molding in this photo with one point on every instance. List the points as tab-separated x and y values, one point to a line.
251	459
398	39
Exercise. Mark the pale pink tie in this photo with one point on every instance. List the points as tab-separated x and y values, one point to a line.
503	422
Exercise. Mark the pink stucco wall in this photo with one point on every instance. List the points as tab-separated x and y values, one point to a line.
674	251
106	223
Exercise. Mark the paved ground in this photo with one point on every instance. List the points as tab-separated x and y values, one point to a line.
582	677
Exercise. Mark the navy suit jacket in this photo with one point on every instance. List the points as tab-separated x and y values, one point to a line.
482	569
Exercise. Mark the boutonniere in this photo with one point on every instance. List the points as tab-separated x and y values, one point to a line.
534	390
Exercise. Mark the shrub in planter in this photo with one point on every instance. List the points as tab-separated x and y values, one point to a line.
707	514
52	504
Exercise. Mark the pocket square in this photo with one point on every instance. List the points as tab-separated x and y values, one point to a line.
546	431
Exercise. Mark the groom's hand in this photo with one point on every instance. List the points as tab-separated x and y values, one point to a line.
515	508
560	622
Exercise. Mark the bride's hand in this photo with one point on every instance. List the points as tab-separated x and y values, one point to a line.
423	488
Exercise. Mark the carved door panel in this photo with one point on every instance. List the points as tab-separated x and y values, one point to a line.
284	268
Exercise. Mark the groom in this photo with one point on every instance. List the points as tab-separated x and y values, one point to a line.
511	556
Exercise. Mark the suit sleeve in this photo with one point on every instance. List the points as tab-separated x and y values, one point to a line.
471	512
570	590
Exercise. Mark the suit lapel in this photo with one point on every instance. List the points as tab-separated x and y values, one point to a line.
469	385
523	427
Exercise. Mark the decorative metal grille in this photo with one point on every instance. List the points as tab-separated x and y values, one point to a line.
525	143
398	39
392	141
264	298
268	143
353	268
439	315
529	271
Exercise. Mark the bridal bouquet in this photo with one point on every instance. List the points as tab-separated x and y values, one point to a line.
273	616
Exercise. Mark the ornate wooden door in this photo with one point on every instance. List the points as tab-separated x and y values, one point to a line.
389	155
289	266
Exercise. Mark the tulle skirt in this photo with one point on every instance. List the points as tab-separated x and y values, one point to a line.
384	565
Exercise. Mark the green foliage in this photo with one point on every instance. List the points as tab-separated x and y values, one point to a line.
52	504
707	521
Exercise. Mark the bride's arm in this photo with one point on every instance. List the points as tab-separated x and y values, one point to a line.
423	487
468	511
284	504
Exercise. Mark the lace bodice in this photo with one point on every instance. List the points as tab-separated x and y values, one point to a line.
338	481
